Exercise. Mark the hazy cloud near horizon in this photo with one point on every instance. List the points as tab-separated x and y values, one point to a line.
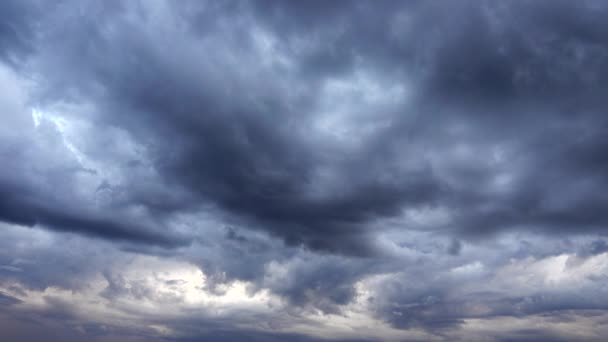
310	171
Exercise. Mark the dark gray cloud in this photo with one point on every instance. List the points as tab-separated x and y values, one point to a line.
399	159
244	140
17	29
16	209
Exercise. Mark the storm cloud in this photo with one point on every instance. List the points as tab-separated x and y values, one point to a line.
270	170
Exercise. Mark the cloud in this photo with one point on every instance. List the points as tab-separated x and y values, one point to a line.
421	167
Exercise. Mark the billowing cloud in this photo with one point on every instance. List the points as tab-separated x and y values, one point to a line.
353	171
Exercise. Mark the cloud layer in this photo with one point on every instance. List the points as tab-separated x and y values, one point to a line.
356	171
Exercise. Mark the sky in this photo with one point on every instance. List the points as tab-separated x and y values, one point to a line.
309	171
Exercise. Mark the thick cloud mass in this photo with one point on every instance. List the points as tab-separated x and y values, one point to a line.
271	170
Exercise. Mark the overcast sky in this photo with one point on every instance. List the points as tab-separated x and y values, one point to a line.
303	171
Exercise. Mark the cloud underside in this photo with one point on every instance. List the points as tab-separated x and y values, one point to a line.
382	163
